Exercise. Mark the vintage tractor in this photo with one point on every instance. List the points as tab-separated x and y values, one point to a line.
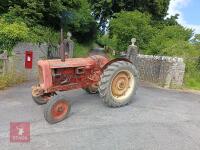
115	80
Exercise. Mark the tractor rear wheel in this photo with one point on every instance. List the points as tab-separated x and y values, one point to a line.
57	109
118	84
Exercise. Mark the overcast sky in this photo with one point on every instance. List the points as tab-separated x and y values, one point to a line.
189	11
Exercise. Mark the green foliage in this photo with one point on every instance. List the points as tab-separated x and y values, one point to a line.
40	11
76	15
152	37
108	41
192	75
11	33
170	21
127	25
84	26
104	10
81	50
41	34
10	79
196	40
168	40
4	6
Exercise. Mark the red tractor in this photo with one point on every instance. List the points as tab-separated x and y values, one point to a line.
115	80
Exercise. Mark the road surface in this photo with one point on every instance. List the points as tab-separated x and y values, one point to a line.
157	119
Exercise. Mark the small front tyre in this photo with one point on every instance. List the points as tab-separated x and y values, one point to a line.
42	99
57	109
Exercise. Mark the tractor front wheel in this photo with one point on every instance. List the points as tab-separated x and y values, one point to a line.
42	99
118	84
39	96
57	109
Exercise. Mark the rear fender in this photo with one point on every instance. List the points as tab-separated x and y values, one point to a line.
115	60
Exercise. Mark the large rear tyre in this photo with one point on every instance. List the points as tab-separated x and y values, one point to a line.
57	109
118	84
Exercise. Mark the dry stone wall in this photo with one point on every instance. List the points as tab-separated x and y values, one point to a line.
162	70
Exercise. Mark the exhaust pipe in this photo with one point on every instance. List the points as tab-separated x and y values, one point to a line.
62	50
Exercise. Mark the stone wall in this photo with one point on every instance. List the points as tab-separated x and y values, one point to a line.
162	70
17	61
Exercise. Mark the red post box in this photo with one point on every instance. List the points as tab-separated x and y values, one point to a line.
28	59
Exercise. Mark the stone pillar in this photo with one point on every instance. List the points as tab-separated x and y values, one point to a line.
178	71
132	53
69	46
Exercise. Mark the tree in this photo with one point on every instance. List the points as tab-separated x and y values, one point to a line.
104	9
11	34
170	40
127	25
48	12
3	6
196	39
171	20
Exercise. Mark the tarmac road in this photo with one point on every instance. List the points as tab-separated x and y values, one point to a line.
157	119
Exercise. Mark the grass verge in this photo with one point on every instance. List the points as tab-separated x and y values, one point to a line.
81	50
192	80
10	79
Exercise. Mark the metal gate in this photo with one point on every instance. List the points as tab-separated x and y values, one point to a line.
53	52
